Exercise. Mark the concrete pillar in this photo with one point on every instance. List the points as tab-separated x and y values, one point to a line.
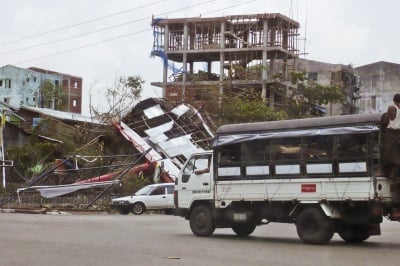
264	74
165	65
191	68
184	59
221	62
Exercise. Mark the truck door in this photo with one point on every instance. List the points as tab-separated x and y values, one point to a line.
195	181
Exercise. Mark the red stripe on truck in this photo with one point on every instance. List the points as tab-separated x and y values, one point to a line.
308	187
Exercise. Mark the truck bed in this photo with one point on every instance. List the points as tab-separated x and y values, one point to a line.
304	190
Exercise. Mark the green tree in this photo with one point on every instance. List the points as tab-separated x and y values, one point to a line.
52	96
246	106
30	160
308	94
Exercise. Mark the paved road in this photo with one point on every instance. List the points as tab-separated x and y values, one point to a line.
150	239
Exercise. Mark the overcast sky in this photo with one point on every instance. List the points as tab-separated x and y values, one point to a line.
100	40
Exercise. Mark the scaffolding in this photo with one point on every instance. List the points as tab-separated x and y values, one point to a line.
242	51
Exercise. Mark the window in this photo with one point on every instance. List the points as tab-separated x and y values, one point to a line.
318	155
333	76
76	84
8	83
170	189
196	162
188	170
74	103
257	151
27	79
56	83
312	75
352	145
317	147
287	149
229	162
158	191
1	83
229	154
257	159
36	121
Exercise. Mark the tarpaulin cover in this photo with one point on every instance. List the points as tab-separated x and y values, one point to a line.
237	138
55	191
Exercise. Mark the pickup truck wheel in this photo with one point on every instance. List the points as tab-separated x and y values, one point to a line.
138	208
243	229
314	227
201	221
354	233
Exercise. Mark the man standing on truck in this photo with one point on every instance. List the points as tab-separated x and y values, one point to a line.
390	150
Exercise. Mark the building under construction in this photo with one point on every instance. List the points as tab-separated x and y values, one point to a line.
205	58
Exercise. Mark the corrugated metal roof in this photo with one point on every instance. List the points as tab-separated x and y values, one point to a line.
178	146
62	115
153	111
180	110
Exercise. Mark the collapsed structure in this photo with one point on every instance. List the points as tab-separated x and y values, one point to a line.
163	134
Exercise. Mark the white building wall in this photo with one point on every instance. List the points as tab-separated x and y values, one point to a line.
20	86
324	76
379	82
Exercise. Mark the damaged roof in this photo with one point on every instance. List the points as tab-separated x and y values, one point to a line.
175	131
61	115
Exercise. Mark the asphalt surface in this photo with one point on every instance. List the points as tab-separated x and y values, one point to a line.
156	239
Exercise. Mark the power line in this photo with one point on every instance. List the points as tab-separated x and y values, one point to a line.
133	33
99	30
83	46
72	37
80	23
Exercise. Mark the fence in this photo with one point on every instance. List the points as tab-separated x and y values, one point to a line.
76	201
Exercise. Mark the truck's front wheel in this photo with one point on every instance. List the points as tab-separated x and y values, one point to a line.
313	227
201	221
243	229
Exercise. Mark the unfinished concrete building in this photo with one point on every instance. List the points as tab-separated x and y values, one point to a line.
205	58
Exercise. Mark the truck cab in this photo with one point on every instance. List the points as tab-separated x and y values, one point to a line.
195	182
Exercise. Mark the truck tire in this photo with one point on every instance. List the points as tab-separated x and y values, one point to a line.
355	233
138	208
201	221
314	227
243	229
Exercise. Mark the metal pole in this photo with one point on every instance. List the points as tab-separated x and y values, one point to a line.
118	178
